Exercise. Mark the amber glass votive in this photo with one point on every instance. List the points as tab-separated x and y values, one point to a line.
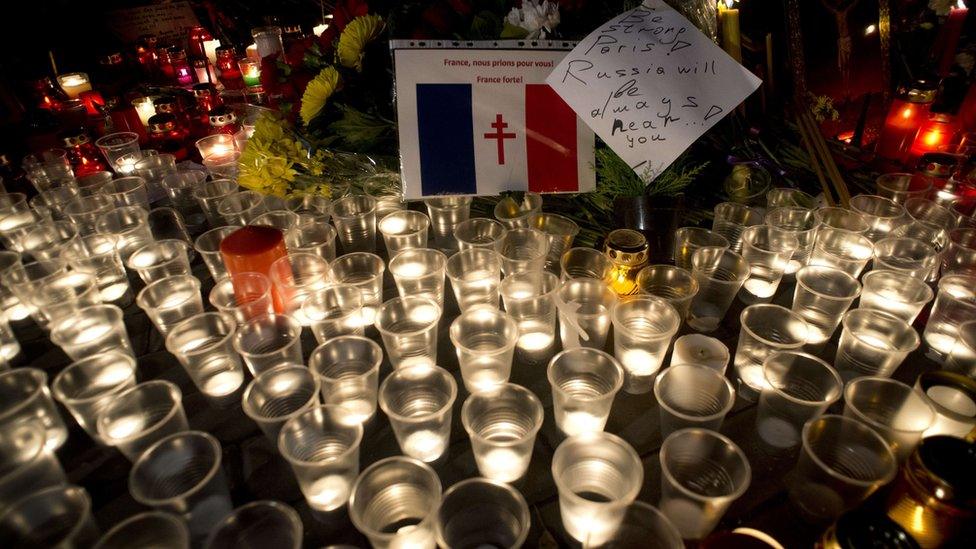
253	249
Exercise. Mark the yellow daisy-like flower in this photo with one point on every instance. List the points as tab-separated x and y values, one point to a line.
318	92
359	32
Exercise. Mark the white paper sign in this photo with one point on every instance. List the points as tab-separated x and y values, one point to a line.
649	84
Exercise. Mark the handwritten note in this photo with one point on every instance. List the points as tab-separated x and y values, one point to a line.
168	22
649	84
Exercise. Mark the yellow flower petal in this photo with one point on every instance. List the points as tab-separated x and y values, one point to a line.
359	32
317	93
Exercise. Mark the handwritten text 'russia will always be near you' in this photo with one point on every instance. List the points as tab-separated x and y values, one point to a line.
498	64
643	117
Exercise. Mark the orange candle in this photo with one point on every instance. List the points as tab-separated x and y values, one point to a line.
905	115
935	135
253	249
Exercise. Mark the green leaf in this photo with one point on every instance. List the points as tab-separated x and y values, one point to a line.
358	130
485	26
511	31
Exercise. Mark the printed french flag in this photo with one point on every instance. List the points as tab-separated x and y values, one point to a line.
487	135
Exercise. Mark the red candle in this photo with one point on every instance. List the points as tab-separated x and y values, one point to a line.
93	102
253	249
949	37
905	115
935	135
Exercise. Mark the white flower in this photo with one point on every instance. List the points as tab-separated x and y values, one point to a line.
535	17
941	7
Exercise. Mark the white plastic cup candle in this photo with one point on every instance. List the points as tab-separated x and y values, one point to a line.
74	83
700	349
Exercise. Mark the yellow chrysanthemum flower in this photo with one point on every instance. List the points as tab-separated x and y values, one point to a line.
359	32
318	92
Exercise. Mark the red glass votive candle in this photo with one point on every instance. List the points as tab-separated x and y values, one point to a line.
253	249
905	115
935	135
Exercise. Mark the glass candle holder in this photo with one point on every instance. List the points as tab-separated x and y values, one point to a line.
334	311
962	356
197	490
674	284
263	523
528	297
159	260
502	423
802	224
98	255
283	220
313	237
278	394
893	292
703	472
84	211
584	306
502	519
515	213
954	304
768	251
584	383
114	146
522	250
243	296
842	219
484	339
208	246
418	400
841	463
822	296
953	397
179	188
146	529
692	395
785	197
210	194
295	277
127	191
731	219
240	208
311	207
403	230
894	410
420	272
560	230
90	331
348	369
881	214
597	476
841	249
27	464
409	329
23	280
130	225
585	263
960	253
445	213
49	240
202	345
478	232
643	327
720	274
364	271
59	516
169	301
86	386
642	525
355	221
24	396
394	503
907	255
52	202
899	187
475	274
138	417
62	295
766	329
255	249
797	387
687	240
924	210
873	343
268	341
